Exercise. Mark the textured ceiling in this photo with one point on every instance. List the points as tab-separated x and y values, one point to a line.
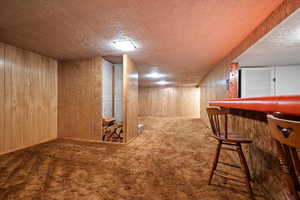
182	38
281	46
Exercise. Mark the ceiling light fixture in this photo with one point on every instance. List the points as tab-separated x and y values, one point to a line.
124	45
155	75
163	82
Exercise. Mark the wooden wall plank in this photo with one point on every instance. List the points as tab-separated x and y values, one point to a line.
80	99
169	101
130	98
2	96
30	99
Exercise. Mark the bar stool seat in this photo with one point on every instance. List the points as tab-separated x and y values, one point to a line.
216	115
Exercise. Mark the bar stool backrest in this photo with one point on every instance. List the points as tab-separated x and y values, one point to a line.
285	131
215	117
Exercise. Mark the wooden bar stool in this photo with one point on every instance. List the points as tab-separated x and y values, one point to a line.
216	115
287	136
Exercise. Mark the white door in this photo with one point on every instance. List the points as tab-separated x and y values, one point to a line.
287	80
257	82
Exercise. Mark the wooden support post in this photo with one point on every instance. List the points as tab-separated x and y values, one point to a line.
234	80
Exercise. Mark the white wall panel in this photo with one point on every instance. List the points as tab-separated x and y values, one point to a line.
257	82
107	88
287	80
118	92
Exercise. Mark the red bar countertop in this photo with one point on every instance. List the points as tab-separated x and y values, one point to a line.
289	105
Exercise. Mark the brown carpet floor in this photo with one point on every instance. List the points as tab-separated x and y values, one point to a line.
169	161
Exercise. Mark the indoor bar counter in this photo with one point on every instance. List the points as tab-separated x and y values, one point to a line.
288	105
249	118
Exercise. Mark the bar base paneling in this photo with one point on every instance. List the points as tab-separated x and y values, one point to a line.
80	99
29	98
261	154
169	101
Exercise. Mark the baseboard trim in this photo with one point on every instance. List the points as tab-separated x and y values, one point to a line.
28	146
91	140
66	138
172	117
129	141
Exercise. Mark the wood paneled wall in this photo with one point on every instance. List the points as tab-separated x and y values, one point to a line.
2	100
263	163
28	98
169	101
80	99
130	98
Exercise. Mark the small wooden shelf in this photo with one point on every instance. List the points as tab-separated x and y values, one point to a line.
289	105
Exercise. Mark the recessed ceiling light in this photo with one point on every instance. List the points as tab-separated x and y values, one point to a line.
155	75
163	82
124	45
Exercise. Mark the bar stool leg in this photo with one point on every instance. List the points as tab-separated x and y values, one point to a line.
245	169
296	160
286	169
216	160
243	159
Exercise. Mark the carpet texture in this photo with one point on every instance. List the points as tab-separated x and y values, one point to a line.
169	161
